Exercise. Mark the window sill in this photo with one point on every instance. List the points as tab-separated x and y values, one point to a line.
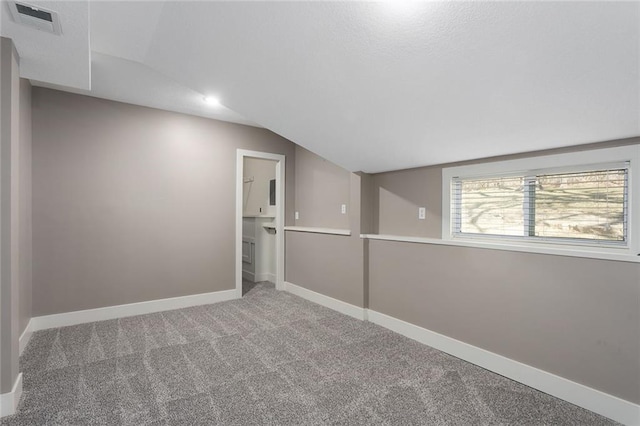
330	231
526	248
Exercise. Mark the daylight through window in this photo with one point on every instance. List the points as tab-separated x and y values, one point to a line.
589	206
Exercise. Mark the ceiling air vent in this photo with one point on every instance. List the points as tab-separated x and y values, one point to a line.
35	17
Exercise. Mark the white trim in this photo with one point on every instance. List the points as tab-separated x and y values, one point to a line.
256	278
248	258
331	303
24	338
331	231
128	310
594	400
266	276
599	402
581	159
279	218
9	401
526	248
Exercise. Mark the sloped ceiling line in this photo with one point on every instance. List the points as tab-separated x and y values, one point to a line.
372	86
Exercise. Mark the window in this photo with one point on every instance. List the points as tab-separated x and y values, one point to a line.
582	200
589	205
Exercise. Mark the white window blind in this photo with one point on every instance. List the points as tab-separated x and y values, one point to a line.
586	206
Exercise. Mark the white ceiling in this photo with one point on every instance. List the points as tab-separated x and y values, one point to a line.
59	59
135	83
99	55
387	85
112	24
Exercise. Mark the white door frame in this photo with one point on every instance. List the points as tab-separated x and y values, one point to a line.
280	199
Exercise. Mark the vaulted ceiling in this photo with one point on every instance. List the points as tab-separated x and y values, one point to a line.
370	86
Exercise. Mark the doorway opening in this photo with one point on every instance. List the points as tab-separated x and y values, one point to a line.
260	178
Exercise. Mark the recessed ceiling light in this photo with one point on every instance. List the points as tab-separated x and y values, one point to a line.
404	8
211	100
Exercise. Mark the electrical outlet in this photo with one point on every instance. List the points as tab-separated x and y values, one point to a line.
343	209
297	215
422	213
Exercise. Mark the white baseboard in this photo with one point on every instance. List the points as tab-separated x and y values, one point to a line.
24	338
599	402
131	309
9	401
256	278
266	276
329	302
604	404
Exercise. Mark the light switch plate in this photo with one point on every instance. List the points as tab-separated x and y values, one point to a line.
422	213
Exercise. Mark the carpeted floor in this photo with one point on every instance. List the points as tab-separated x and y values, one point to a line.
269	358
247	285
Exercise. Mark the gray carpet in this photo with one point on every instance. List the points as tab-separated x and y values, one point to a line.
269	358
247	285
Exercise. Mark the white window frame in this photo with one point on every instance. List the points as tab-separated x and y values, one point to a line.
575	161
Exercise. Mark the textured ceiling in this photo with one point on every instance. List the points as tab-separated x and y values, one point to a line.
59	59
389	85
132	82
124	29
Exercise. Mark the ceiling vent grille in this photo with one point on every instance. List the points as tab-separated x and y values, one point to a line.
35	17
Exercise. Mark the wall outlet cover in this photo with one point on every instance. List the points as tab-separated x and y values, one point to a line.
422	213
297	215
343	209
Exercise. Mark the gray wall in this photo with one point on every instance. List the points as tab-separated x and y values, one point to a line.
133	204
577	318
366	203
9	108
397	195
328	264
321	189
15	212
25	233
